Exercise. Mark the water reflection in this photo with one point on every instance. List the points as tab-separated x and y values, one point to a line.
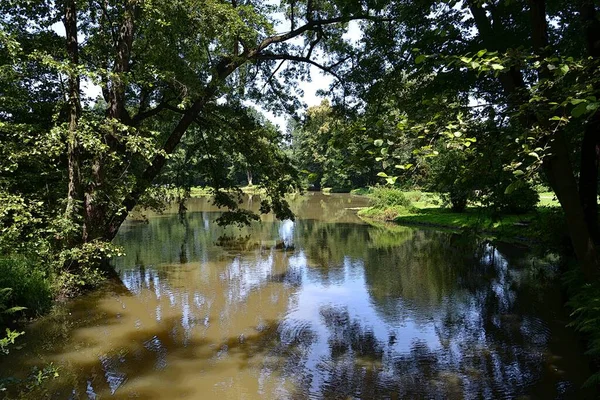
342	310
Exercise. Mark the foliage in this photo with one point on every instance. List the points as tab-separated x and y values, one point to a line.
29	285
450	175
522	200
387	203
584	301
8	340
383	196
330	150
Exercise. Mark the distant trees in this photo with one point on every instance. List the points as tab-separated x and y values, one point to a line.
329	150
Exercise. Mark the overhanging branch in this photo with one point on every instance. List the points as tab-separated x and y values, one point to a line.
290	57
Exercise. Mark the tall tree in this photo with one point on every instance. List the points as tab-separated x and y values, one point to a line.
161	66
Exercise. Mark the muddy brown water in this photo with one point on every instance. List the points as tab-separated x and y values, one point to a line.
323	307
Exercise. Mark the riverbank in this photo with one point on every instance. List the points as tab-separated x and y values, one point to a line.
423	209
530	227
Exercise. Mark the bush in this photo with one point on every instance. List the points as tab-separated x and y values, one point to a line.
384	197
451	177
29	285
520	201
458	199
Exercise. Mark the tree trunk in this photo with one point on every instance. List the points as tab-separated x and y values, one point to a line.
590	146
559	172
74	187
588	175
96	206
249	176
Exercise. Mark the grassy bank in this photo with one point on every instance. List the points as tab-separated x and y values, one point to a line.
414	208
199	191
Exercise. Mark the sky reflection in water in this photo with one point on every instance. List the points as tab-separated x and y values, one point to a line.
346	310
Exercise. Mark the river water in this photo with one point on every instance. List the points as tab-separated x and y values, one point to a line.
323	307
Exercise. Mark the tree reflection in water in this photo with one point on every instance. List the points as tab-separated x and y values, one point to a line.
344	310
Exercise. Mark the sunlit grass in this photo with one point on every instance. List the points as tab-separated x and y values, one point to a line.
428	210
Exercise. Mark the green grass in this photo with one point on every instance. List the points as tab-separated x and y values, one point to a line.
524	227
472	218
548	199
423	200
198	191
425	210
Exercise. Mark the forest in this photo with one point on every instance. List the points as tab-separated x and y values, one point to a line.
476	115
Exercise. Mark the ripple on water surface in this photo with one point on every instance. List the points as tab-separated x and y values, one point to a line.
323	307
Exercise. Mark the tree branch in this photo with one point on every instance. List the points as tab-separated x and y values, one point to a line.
312	25
290	57
142	115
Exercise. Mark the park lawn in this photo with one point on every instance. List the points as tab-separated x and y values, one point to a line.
199	191
472	218
548	199
426	211
524	227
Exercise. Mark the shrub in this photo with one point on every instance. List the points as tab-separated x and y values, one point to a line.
520	201
384	197
29	284
458	199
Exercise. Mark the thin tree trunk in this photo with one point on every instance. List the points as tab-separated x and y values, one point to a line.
559	172
74	187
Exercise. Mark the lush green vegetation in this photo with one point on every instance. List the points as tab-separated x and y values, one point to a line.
479	101
543	225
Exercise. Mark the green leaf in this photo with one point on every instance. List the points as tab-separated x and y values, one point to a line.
579	110
513	186
564	68
592	106
382	174
497	67
378	142
420	58
481	52
518	173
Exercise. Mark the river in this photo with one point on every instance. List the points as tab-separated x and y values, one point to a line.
324	307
